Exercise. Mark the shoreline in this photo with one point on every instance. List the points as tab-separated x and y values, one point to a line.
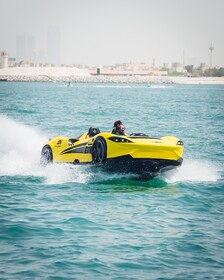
115	79
75	75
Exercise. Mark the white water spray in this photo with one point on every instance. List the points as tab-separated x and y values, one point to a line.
194	171
20	155
20	147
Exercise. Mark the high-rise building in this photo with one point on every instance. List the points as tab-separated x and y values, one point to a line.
25	48
21	48
31	49
53	45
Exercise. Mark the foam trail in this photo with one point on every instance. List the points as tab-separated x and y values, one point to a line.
194	171
64	173
20	155
20	147
162	86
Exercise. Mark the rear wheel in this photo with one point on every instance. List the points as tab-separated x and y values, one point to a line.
99	151
46	155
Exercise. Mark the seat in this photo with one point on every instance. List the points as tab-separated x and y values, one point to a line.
93	131
113	131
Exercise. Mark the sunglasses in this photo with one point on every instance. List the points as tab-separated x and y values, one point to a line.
122	128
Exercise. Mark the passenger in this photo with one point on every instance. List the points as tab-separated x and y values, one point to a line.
118	128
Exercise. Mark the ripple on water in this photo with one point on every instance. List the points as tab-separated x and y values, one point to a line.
74	222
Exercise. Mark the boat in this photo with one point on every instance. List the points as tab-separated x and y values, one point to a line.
136	153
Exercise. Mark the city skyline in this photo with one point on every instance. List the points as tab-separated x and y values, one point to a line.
110	32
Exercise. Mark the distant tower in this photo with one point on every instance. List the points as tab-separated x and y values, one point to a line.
183	59
211	50
153	63
4	59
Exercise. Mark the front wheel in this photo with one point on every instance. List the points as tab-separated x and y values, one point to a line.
46	155
99	151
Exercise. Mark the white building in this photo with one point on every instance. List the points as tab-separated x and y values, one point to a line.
4	59
177	67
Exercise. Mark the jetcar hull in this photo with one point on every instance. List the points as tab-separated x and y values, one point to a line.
138	154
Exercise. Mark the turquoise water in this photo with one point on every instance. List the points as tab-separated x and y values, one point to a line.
64	222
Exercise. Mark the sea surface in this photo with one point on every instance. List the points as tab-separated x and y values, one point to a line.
63	222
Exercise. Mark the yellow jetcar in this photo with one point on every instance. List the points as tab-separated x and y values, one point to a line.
136	153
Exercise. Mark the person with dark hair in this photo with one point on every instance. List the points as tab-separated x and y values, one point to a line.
118	128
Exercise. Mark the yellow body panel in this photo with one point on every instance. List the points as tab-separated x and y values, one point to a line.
144	148
59	144
147	148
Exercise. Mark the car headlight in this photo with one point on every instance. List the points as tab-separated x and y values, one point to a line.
180	143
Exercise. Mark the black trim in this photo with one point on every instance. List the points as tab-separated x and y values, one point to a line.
119	139
71	141
139	134
71	150
141	165
79	150
144	137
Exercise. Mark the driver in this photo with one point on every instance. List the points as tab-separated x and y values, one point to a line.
119	128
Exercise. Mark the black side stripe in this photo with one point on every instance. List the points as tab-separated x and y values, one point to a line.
81	150
70	149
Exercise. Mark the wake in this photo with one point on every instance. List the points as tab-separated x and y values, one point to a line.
194	171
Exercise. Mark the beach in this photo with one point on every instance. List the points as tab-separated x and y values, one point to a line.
73	74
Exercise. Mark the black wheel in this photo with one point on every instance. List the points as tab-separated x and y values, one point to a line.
99	151
46	155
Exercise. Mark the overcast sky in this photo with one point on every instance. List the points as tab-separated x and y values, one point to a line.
103	32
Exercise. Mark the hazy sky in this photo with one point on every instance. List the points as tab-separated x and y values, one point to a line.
115	31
